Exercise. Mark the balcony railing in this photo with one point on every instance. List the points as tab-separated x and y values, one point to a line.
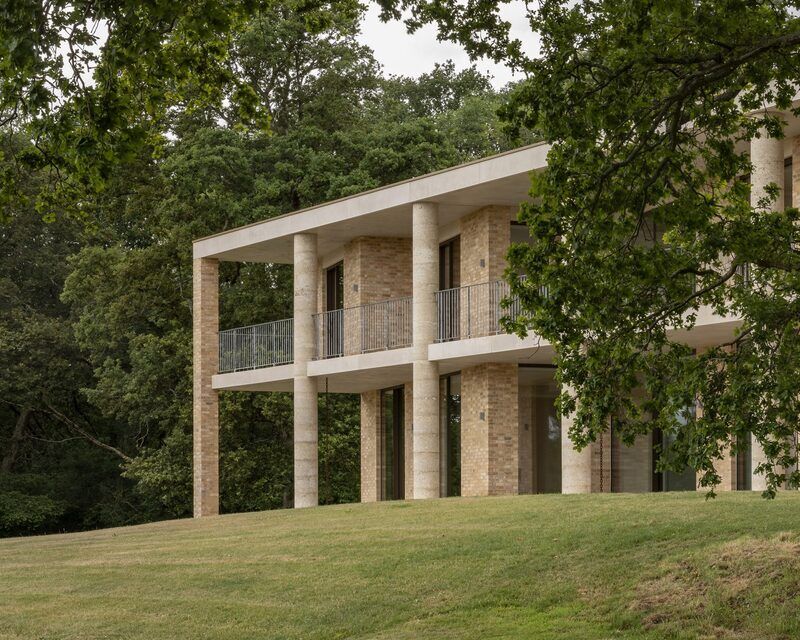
475	310
378	326
256	346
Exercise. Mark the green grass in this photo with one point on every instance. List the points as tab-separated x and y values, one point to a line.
578	567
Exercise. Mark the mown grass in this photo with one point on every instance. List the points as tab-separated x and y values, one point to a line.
587	567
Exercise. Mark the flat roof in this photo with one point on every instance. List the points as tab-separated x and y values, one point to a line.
502	179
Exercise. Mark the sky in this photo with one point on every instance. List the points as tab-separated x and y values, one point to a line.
403	54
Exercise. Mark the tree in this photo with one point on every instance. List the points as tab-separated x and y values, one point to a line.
101	326
59	459
643	216
92	83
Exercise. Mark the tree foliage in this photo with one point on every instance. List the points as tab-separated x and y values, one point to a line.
643	221
92	83
95	316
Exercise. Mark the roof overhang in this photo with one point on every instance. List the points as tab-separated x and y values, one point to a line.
503	179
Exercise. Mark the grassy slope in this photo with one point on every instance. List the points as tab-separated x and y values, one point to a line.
670	565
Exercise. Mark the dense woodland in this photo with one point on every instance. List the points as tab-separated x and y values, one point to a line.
95	310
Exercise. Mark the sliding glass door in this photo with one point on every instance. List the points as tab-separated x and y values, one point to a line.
450	431
392	444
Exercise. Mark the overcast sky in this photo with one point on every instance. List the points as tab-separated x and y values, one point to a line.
411	55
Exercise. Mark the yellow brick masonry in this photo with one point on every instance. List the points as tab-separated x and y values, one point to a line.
485	238
370	415
489	430
205	418
376	269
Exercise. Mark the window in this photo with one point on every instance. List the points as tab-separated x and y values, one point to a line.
449	264
392	444
547	445
334	287
450	434
744	465
685	480
520	234
334	301
449	302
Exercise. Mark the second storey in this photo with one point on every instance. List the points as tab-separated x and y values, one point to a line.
364	255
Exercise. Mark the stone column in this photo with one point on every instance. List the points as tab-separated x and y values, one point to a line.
576	466
305	388
205	410
795	186
425	283
766	156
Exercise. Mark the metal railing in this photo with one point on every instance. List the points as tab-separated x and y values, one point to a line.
475	310
256	346
378	326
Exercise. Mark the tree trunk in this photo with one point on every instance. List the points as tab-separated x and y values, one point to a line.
16	438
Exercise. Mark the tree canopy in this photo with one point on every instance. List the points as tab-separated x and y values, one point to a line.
95	324
643	217
92	83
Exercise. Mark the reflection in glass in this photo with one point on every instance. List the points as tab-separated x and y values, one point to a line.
392	458
450	416
548	446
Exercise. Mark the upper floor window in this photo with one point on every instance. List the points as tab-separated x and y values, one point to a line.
450	264
334	287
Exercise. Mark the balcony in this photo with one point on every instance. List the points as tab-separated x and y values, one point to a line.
260	345
379	326
474	311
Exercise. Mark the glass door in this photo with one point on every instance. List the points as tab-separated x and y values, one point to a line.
450	432
392	444
334	302
684	480
449	280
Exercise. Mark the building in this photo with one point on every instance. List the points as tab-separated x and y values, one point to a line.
397	298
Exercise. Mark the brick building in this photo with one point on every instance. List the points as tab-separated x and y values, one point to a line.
397	298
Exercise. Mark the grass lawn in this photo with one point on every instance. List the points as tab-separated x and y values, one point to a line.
578	567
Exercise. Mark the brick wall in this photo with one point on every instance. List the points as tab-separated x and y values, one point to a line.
376	269
489	430
370	417
485	238
205	417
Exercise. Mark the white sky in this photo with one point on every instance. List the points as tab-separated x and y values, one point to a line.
410	55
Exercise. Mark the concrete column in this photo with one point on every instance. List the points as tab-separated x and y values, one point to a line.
576	466
425	283
795	172
205	409
305	388
766	156
758	481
